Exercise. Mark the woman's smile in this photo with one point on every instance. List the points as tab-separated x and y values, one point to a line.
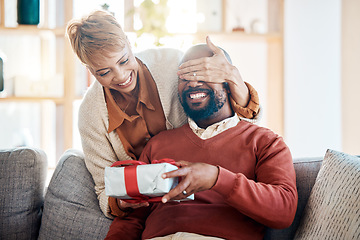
128	81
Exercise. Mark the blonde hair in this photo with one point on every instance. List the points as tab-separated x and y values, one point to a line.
94	35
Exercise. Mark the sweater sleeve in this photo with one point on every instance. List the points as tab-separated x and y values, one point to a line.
272	198
251	112
115	209
96	143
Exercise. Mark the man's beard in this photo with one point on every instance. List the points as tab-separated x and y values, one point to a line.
215	103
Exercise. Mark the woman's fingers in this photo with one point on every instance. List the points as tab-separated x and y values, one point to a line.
211	45
214	69
192	65
125	205
204	76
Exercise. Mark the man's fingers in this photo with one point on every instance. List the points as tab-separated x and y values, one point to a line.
176	173
176	192
182	163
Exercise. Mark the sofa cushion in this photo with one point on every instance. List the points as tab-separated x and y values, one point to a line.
71	208
332	211
22	179
306	171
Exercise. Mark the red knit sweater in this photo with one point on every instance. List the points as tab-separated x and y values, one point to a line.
256	186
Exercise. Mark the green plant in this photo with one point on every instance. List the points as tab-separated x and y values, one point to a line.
153	15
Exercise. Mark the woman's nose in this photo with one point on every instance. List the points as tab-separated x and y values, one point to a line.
120	74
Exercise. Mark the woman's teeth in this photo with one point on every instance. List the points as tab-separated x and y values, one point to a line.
126	82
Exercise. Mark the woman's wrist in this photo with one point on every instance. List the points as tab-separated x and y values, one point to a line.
238	89
115	208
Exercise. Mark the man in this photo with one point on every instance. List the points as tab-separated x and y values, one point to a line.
242	174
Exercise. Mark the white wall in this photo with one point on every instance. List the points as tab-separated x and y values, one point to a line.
312	68
250	58
350	76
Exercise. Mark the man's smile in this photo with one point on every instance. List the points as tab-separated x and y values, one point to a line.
196	96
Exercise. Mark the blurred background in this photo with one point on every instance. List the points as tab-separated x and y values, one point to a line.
303	58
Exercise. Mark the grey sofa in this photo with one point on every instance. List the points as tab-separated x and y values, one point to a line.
70	209
22	180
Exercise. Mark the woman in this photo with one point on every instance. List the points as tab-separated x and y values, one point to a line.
135	97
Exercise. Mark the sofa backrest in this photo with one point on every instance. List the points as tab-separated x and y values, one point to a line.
306	172
71	208
22	180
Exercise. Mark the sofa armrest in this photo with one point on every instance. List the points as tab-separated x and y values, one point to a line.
22	179
71	207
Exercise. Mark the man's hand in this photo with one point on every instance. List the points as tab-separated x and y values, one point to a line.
216	69
195	177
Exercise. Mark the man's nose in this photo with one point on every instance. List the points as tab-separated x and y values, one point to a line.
195	83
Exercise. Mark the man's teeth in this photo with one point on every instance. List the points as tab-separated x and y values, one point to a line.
197	95
126	82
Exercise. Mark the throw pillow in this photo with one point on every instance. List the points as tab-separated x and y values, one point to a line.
333	208
71	208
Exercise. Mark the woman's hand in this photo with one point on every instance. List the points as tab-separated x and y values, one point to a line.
216	69
195	177
125	206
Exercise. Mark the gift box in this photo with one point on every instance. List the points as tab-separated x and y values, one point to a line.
139	182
